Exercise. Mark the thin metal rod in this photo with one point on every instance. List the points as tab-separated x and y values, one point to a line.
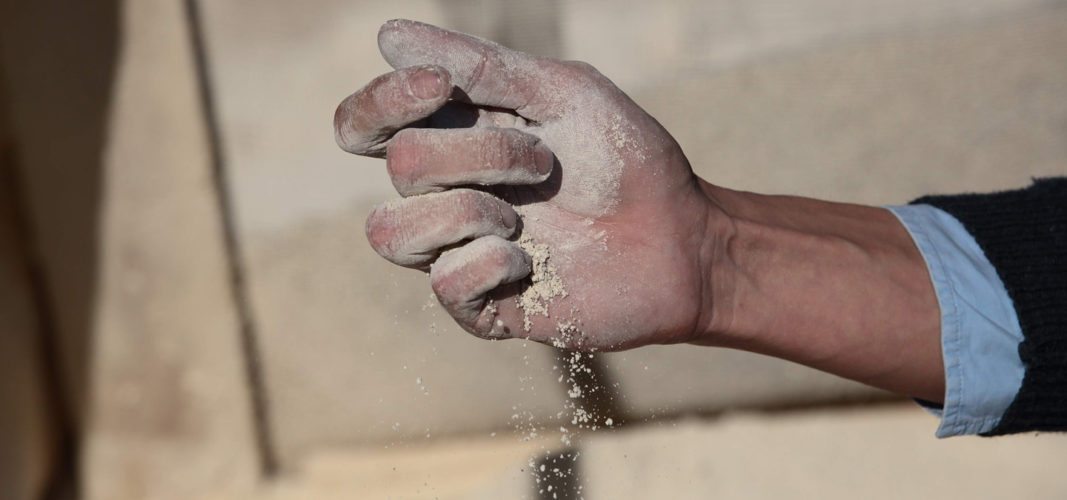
238	284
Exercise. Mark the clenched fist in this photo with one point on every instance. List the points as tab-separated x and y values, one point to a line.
547	205
544	203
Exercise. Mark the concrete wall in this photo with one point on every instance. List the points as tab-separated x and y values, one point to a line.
854	101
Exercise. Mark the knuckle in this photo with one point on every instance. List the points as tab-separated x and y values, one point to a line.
581	69
467	200
401	155
444	287
581	66
487	59
470	207
496	256
499	257
581	74
516	139
404	139
501	148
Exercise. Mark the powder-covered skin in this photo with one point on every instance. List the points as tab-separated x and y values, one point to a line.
415	235
612	234
591	142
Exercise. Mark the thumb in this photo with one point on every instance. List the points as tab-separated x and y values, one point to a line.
489	73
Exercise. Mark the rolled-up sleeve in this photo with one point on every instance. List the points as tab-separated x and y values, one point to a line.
980	332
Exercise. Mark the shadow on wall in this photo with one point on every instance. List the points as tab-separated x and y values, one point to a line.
57	62
558	477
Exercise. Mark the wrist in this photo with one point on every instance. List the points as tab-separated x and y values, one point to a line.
718	269
835	286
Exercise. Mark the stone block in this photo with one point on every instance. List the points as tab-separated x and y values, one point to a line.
969	106
881	452
663	381
972	107
867	102
170	413
357	350
353	350
642	43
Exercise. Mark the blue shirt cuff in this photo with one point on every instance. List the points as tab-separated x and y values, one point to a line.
980	332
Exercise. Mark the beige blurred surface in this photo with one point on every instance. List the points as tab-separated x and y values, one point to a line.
878	452
362	373
861	101
881	452
360	352
466	467
972	106
671	380
639	43
170	412
976	107
837	102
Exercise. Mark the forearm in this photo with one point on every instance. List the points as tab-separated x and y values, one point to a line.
838	287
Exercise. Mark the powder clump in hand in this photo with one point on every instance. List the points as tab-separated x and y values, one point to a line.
545	284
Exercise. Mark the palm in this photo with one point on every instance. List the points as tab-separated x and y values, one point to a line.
619	200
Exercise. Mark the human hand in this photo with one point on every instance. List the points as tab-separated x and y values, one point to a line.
505	159
487	144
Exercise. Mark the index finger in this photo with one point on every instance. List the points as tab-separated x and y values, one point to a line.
366	119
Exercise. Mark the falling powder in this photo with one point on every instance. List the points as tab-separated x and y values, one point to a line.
545	283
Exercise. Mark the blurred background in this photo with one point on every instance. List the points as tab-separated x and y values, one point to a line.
189	309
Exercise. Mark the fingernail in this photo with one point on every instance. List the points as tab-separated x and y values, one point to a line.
510	219
544	160
425	83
